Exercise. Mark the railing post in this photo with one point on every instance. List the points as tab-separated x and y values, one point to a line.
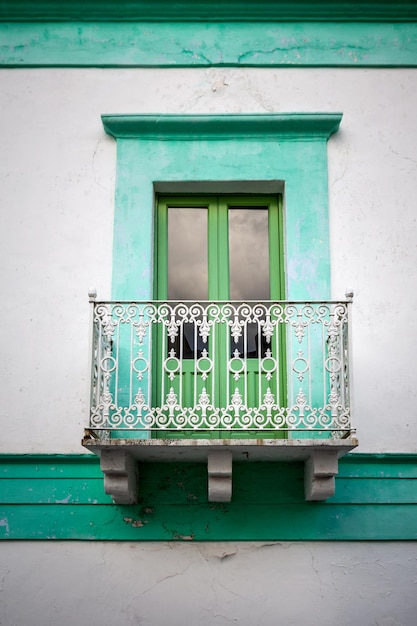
349	298
92	295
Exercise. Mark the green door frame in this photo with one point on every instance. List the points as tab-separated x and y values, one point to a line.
218	284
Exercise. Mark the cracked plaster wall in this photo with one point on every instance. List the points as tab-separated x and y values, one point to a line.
247	584
57	185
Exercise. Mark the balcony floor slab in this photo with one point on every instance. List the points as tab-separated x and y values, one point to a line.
196	450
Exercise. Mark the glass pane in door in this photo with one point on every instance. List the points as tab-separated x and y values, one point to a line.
187	254
248	253
187	271
249	269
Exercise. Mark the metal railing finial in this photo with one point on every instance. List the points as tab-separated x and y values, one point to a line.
349	293
92	294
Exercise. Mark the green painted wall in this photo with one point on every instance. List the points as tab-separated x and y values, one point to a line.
62	497
290	148
151	44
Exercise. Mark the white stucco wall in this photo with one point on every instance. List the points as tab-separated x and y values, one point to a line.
57	172
247	584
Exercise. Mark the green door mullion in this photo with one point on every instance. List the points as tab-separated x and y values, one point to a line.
223	287
275	252
282	329
277	291
222	293
161	292
161	247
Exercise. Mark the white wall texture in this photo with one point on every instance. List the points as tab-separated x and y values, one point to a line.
57	171
247	584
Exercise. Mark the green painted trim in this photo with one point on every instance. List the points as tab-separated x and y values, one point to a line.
286	147
268	127
62	497
81	44
207	10
217	232
289	148
49	459
221	523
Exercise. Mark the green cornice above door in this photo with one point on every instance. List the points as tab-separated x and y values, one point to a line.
182	127
207	10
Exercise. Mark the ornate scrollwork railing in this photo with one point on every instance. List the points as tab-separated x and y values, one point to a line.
260	367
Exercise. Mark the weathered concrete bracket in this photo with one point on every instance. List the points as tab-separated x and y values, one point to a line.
219	466
319	471
121	480
119	461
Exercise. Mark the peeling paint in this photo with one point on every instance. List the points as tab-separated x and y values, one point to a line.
64	500
179	536
135	523
4	522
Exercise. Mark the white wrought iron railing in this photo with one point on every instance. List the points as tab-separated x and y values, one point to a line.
200	368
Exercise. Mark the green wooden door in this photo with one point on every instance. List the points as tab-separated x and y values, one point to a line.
218	249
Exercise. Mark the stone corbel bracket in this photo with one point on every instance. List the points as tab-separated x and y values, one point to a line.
121	479
219	467
320	470
119	463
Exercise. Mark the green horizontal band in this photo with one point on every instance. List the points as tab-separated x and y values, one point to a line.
62	497
198	44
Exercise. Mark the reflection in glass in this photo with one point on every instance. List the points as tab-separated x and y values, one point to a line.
187	254
187	271
248	253
185	344
249	270
251	344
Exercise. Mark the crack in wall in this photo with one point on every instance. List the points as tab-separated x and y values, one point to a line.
167	577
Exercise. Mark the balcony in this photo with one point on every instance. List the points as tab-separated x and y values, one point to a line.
216	382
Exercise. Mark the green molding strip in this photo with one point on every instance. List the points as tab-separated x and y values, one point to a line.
207	10
232	44
264	126
62	497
